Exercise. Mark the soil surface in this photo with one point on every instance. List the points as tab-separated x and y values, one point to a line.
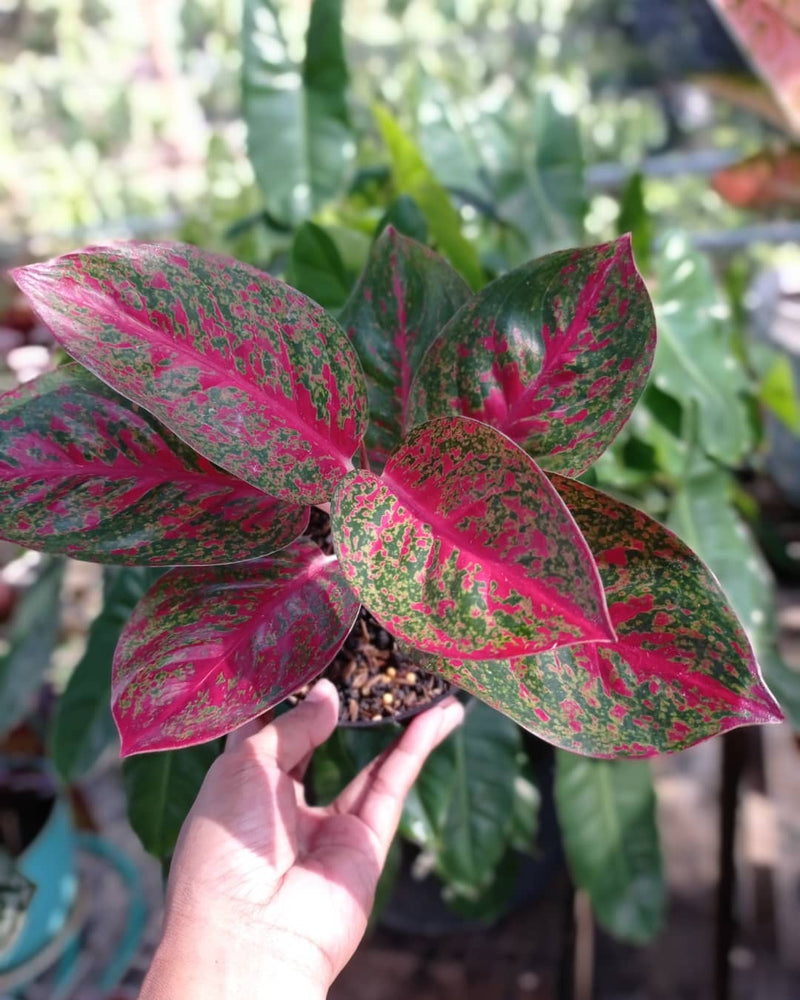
376	680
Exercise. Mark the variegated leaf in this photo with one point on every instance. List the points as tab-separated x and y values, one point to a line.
404	297
207	650
462	547
681	671
85	473
249	372
554	354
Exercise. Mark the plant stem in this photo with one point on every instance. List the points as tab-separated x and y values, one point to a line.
362	454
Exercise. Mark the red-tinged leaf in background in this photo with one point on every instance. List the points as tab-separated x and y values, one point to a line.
462	547
766	180
206	650
682	669
87	474
554	354
768	31
403	299
246	370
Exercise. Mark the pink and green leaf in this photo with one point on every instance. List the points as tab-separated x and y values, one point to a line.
403	299
464	548
87	474
206	650
554	354
682	668
246	370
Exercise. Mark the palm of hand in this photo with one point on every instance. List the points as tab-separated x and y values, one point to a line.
296	878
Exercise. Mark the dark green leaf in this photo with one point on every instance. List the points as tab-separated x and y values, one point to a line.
161	789
460	808
405	216
83	725
607	814
31	638
316	267
299	135
634	218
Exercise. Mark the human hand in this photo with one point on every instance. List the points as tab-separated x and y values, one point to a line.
267	895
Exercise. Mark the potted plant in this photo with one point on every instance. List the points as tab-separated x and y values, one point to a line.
213	405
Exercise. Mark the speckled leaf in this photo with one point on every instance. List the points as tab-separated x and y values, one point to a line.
249	372
681	671
85	473
403	299
208	649
464	548
553	354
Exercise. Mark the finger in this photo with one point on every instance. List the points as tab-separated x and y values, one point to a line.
238	736
377	795
298	772
295	735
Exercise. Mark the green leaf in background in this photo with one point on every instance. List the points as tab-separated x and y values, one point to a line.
412	176
779	393
607	813
30	641
696	360
405	216
462	804
83	726
316	267
544	195
634	218
704	515
299	137
161	789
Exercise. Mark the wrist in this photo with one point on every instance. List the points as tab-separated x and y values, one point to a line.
228	966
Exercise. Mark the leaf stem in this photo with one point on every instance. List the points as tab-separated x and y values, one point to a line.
363	457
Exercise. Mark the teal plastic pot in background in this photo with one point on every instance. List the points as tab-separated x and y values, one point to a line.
49	862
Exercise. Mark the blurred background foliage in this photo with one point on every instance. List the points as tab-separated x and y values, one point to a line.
495	130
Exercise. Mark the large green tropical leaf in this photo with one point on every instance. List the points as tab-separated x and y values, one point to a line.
461	808
161	790
84	726
299	136
696	360
607	813
29	644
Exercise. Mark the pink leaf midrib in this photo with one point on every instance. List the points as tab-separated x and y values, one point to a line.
315	568
448	534
587	300
229	376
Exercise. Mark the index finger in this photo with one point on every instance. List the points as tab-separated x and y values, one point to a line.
377	794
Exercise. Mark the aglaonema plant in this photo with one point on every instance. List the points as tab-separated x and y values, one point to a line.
211	405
